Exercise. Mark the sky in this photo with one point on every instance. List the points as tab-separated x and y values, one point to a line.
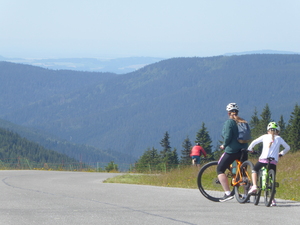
146	28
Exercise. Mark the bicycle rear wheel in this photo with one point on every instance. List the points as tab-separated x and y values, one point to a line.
270	188
259	187
241	189
208	182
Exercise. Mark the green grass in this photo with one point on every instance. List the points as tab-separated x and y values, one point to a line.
288	176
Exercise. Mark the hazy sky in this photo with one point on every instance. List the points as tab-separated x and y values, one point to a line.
158	28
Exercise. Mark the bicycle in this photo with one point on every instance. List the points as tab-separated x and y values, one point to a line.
211	188
266	182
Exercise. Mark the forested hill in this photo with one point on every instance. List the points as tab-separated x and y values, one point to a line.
131	112
14	150
80	152
22	85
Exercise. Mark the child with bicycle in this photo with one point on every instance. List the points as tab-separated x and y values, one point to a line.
271	145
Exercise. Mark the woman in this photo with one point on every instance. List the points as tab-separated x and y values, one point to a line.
232	148
271	145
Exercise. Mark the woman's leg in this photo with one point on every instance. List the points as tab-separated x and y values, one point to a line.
224	182
224	163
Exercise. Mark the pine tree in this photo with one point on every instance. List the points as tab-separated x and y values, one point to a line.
293	130
203	138
265	120
149	161
254	119
174	157
217	152
254	125
165	143
168	157
281	124
111	167
259	126
185	152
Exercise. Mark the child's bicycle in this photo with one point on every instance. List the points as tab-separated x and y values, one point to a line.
266	182
211	188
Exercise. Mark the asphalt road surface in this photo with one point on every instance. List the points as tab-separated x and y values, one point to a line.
52	197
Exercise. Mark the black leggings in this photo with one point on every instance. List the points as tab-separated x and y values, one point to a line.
226	159
259	165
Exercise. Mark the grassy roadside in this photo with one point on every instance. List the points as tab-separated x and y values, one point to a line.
288	176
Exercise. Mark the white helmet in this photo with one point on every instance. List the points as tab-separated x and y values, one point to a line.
232	106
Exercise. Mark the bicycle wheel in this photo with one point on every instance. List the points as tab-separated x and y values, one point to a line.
208	182
245	179
270	188
259	187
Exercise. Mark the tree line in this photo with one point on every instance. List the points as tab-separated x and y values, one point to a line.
168	158
15	151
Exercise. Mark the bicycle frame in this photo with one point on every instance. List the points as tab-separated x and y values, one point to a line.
264	178
234	181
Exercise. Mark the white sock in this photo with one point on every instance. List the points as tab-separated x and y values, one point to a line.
227	192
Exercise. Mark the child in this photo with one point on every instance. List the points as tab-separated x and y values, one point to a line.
271	144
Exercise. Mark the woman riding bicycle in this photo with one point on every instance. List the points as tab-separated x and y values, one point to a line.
271	144
231	146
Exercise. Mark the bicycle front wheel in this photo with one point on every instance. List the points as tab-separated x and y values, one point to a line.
270	188
208	182
244	177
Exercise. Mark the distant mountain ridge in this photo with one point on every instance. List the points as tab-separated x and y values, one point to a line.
131	112
261	52
113	65
118	65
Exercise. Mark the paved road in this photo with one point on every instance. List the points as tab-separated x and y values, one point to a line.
51	197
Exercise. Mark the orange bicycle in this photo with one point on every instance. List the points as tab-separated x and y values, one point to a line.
211	188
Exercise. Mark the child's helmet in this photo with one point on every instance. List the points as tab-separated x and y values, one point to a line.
232	106
273	125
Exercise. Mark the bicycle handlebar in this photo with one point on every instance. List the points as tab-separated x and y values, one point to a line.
272	158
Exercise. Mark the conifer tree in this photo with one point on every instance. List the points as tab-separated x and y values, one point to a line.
185	152
265	120
293	130
259	126
149	161
165	143
281	124
174	157
111	167
254	119
167	156
254	125
217	152
203	138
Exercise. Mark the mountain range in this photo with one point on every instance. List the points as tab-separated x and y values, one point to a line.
128	113
117	65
